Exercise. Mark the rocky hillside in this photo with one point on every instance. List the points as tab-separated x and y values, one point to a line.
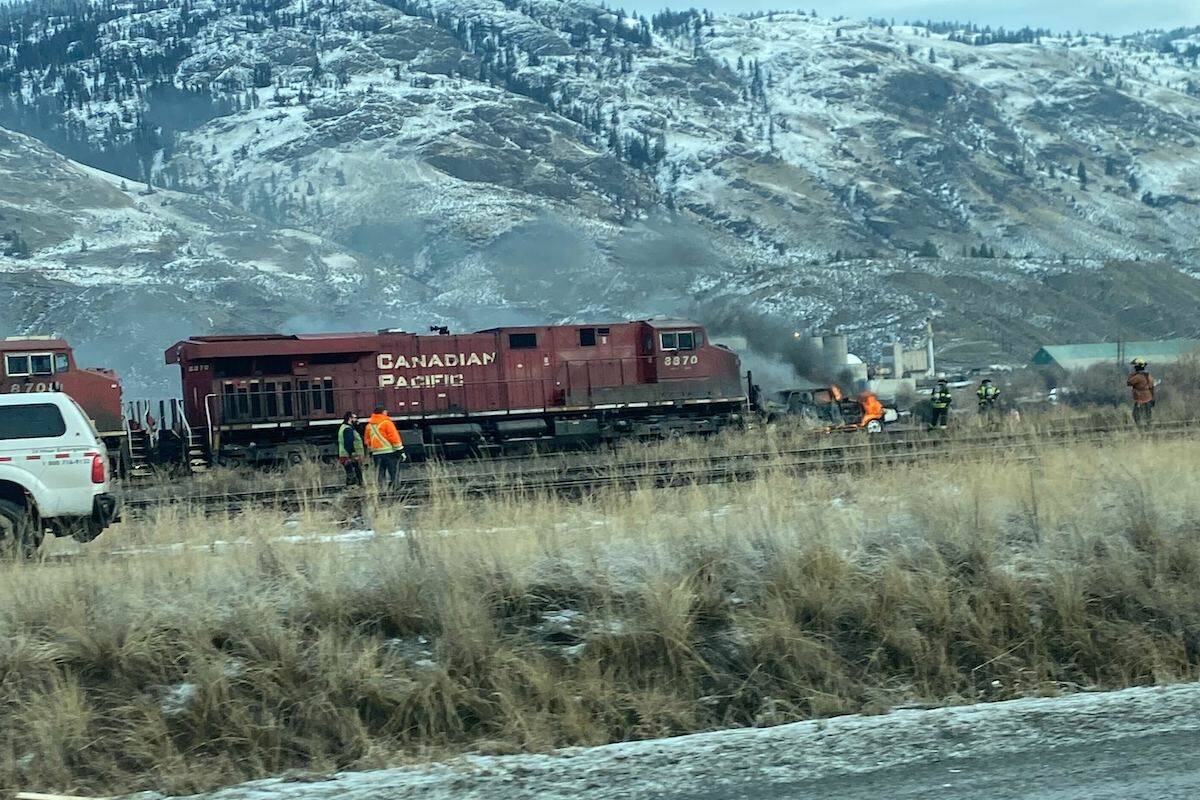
482	162
126	271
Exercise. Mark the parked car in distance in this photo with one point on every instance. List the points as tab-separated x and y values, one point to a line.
54	473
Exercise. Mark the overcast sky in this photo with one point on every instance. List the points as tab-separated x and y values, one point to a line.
1106	16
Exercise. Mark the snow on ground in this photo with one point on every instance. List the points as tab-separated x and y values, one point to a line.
785	755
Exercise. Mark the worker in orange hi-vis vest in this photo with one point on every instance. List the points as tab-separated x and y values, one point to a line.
385	446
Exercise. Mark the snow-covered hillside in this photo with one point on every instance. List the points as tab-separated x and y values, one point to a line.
125	271
492	162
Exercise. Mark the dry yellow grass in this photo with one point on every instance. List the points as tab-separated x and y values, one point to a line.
180	653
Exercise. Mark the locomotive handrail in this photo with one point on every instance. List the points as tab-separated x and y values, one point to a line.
212	445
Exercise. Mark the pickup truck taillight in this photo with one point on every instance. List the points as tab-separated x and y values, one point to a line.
98	469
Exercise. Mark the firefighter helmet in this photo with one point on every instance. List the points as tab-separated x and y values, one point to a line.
1139	362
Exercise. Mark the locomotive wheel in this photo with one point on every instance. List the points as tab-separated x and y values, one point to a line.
19	533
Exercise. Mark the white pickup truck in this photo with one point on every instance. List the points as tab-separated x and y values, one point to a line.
53	473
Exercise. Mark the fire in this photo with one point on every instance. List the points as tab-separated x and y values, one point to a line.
871	406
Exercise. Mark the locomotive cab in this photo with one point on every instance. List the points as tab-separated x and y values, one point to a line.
679	351
31	363
47	364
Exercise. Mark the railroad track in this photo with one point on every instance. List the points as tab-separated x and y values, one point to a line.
567	479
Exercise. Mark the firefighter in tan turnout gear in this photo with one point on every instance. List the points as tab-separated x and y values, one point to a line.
1141	383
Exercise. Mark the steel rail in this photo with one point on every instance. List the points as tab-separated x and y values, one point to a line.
658	473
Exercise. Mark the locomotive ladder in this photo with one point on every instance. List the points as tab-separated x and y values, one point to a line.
148	445
194	446
139	444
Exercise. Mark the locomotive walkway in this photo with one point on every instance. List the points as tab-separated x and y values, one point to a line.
534	477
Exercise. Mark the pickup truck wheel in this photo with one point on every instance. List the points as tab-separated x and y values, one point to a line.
19	535
874	426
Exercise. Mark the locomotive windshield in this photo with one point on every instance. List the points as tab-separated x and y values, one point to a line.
678	340
28	364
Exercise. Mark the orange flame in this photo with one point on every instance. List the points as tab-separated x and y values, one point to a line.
872	407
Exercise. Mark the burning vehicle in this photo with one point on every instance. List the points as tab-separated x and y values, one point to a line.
828	409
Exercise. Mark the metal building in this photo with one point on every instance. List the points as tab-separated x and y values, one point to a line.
1074	357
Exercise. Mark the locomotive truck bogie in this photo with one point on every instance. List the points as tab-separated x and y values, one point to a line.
260	397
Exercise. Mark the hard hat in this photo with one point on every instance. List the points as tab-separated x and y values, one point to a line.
942	380
987	380
1138	362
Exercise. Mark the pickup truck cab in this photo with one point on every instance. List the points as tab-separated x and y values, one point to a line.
53	473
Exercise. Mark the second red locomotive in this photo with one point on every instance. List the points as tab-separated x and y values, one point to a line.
270	397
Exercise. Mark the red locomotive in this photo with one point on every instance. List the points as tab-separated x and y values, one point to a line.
269	397
47	364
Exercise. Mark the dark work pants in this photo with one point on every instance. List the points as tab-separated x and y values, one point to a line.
387	468
1143	414
940	419
354	472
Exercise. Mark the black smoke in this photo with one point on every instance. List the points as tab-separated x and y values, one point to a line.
784	344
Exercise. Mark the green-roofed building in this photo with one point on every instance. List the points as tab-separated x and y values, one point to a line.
1073	357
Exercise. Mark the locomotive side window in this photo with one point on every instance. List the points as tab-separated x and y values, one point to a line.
16	366
41	364
61	362
680	340
522	341
587	337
